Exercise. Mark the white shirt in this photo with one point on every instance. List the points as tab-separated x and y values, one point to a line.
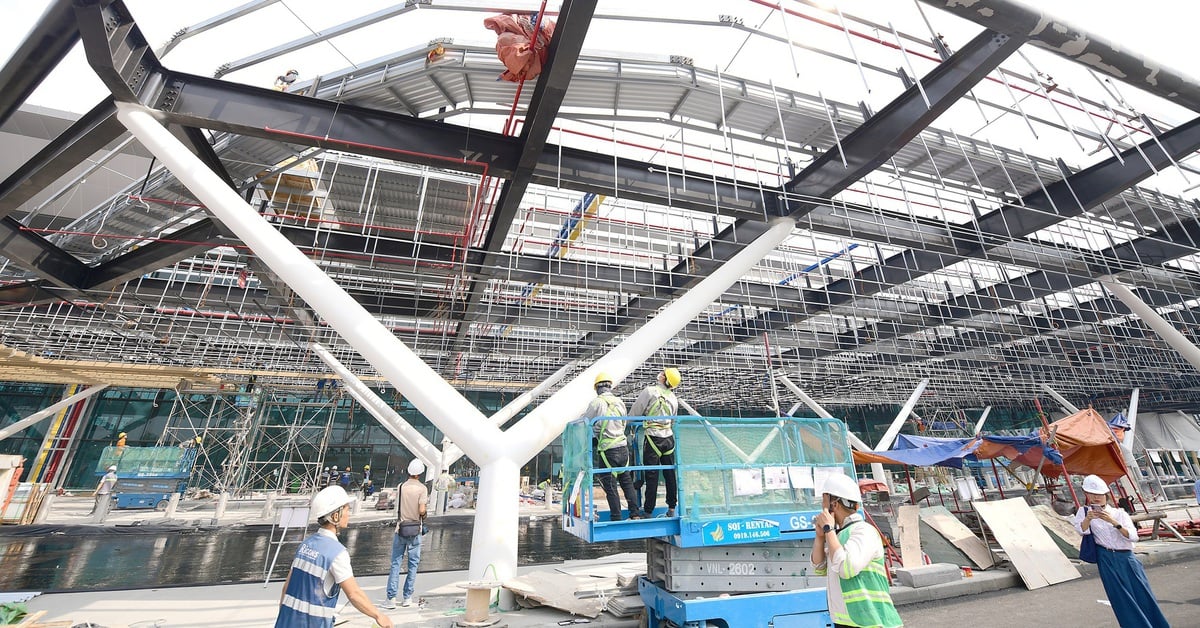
1105	534
339	570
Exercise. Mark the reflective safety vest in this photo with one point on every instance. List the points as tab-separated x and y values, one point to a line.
865	594
305	604
612	432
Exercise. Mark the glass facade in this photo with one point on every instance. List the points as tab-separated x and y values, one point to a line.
352	437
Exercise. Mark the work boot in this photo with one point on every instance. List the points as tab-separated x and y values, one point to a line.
637	514
670	512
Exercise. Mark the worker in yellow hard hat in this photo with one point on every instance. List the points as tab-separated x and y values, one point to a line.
656	403
121	443
612	448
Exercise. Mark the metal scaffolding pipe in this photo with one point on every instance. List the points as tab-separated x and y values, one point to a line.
1062	401
387	416
893	430
1018	19
41	415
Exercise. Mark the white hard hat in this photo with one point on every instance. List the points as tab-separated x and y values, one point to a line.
416	467
843	486
329	500
1094	485
113	468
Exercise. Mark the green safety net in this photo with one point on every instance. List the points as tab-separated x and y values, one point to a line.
147	461
731	467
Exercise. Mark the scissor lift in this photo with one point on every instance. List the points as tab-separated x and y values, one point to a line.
737	553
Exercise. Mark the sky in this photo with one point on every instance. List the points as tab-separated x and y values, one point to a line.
1139	27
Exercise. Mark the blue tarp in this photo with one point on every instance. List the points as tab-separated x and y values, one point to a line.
950	452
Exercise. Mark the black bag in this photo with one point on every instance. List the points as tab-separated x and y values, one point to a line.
409	528
1087	549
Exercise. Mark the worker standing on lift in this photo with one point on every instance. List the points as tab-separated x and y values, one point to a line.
659	401
612	447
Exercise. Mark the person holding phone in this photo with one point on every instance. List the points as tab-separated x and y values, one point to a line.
848	551
1124	579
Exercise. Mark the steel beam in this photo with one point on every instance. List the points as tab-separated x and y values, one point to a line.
52	37
1025	20
90	133
33	252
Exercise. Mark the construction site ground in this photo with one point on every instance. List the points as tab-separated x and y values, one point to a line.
987	596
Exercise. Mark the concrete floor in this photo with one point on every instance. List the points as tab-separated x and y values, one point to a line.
1171	566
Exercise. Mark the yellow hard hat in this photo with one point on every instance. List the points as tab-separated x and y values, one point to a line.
366	466
121	435
601	377
672	376
199	439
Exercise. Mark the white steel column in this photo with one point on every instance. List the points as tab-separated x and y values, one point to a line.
429	393
1066	405
452	452
499	454
893	430
41	415
855	441
387	416
544	424
1160	325
983	417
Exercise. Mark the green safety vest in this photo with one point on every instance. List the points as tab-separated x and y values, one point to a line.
866	593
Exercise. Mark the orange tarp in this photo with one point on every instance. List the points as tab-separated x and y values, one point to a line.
1087	445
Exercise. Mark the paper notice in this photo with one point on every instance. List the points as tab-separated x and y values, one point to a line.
801	477
775	478
747	482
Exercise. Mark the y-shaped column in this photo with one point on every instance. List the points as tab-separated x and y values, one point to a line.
499	454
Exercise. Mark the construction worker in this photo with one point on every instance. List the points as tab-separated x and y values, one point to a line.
849	553
321	570
284	82
332	478
612	448
411	507
658	401
442	487
103	494
120	442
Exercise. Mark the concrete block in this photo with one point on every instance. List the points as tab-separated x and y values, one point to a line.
927	575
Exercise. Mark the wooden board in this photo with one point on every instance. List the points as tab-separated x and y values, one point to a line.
908	531
939	550
1032	552
1061	530
959	535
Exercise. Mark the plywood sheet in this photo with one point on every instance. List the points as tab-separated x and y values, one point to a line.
1062	531
558	590
908	531
1032	552
959	535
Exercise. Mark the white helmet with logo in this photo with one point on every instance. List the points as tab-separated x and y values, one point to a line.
329	500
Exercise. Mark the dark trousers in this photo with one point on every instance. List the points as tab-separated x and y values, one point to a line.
650	457
610	459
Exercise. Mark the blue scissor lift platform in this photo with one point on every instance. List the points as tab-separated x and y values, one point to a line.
737	553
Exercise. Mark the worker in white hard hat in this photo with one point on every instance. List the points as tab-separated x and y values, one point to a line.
104	494
321	570
1124	579
657	403
612	448
412	505
848	551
